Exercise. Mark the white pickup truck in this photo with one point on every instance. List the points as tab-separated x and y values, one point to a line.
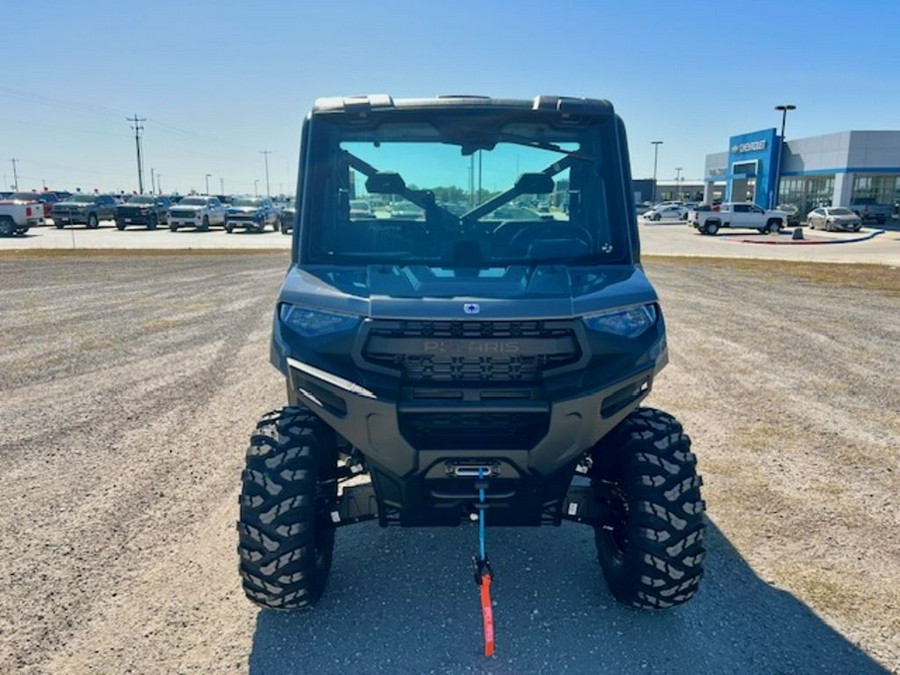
736	214
17	215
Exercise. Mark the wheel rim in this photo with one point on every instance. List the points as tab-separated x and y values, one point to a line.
6	229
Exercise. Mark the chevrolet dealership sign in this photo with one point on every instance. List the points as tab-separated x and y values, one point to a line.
751	146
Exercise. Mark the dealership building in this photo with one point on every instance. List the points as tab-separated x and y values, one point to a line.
834	169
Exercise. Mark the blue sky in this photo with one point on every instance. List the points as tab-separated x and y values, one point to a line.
221	81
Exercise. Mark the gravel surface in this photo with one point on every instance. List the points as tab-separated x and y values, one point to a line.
130	384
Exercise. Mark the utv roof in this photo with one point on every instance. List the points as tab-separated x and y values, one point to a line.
382	102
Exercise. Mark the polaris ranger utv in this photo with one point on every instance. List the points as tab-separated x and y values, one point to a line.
478	342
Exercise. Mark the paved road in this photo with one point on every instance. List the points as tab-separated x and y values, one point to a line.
130	384
665	238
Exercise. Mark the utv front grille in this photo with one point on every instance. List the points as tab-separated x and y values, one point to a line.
471	351
474	431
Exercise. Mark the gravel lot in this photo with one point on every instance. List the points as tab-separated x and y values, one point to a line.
129	384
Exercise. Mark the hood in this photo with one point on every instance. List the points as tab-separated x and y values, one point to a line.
244	209
515	292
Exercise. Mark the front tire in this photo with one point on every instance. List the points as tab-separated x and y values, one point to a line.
651	552
289	487
204	225
712	228
92	222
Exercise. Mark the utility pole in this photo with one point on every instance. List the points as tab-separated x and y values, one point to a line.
265	154
159	183
222	186
207	182
256	187
678	182
152	181
15	175
137	144
656	145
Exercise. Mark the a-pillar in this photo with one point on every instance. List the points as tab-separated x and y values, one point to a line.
843	189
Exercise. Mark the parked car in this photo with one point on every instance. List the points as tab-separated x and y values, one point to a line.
251	213
868	208
199	211
84	209
793	213
737	214
833	218
666	211
360	208
404	210
148	210
288	215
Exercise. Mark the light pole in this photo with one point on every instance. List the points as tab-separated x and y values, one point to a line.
222	186
265	154
784	111
656	145
207	182
678	182
256	187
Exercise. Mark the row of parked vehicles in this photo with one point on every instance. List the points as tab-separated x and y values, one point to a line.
710	218
20	211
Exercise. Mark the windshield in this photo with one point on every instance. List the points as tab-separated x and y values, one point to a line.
24	196
247	202
141	199
468	192
841	212
193	201
82	199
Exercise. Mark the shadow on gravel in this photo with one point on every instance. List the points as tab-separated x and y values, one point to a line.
404	601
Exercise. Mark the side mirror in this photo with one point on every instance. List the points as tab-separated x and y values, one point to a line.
534	184
385	183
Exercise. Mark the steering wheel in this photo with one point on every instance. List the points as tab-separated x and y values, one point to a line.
524	238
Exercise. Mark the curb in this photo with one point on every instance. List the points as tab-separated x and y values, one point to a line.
804	242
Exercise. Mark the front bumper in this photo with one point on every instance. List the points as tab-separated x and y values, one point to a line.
415	478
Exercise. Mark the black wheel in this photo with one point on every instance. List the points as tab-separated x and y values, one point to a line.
120	226
284	228
152	222
289	487
229	228
712	227
58	224
656	217
204	226
651	550
92	222
173	228
7	227
773	226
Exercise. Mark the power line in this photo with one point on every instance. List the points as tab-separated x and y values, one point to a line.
137	144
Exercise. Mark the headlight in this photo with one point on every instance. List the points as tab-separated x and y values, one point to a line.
313	323
629	323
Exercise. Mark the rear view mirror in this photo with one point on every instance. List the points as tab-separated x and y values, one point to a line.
385	183
534	184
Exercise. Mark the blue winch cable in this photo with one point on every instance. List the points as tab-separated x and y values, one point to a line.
481	513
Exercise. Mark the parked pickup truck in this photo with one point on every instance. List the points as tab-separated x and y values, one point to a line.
868	208
17	215
146	210
198	211
85	209
737	214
